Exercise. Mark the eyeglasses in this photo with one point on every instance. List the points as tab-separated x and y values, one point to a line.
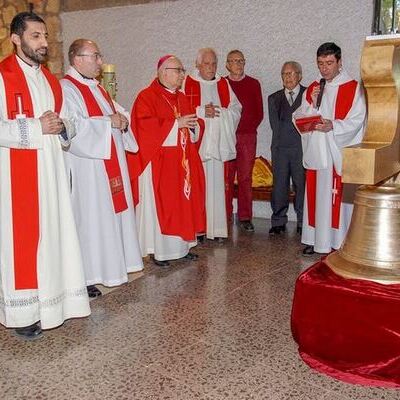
240	61
178	70
97	56
289	74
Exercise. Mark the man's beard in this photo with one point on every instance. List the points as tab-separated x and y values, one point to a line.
33	55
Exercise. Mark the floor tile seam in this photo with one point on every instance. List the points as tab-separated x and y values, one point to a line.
159	370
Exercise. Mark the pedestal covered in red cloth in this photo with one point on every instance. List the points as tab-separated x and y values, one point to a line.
348	328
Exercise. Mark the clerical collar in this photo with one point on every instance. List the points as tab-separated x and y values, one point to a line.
34	66
169	90
83	76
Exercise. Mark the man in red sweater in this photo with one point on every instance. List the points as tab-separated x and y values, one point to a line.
248	91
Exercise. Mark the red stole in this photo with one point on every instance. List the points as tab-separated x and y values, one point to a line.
24	174
180	210
344	101
193	91
112	165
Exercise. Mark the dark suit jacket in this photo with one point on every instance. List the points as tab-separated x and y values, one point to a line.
284	134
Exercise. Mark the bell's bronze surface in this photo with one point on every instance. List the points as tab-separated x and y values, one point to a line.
371	249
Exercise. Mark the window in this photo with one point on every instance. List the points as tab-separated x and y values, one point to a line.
386	17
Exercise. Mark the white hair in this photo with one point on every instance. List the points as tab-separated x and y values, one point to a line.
202	52
294	64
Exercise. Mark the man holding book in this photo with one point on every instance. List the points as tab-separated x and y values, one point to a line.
339	101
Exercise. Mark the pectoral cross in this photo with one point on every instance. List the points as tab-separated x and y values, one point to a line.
191	95
20	112
335	192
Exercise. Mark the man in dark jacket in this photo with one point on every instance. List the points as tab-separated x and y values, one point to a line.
286	148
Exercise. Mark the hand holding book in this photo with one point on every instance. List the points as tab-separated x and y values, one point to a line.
312	123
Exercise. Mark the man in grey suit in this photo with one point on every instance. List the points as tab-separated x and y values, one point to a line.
286	149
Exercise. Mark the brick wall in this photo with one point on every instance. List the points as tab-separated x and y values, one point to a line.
49	10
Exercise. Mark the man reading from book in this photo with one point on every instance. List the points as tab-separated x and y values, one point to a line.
327	206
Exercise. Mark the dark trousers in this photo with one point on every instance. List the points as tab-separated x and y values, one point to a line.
242	166
287	162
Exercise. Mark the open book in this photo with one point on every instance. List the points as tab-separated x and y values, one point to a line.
307	124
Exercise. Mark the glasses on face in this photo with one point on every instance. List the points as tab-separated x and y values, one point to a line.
178	70
289	74
96	56
240	61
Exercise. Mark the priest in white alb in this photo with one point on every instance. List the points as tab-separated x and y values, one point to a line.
41	275
340	101
98	174
218	110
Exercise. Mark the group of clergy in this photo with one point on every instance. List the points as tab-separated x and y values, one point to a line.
89	189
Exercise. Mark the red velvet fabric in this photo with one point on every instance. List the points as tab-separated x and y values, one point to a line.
348	328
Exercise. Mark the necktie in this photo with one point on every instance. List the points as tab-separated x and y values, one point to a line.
291	99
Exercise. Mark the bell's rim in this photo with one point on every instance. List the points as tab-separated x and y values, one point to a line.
354	270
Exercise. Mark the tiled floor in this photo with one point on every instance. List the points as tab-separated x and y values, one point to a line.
213	329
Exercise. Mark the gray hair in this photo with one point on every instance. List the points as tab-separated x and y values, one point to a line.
296	66
205	50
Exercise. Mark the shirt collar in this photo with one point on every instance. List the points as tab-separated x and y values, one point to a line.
295	91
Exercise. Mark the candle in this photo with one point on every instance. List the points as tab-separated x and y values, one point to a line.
108	68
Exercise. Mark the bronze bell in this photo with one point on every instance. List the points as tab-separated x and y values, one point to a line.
371	249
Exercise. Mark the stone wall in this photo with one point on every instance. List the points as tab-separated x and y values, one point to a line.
49	10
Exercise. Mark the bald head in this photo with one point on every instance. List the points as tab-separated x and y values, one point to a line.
76	48
84	55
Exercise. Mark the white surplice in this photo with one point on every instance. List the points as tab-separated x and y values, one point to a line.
323	152
109	242
218	145
61	292
152	241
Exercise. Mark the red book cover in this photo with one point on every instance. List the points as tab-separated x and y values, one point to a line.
307	124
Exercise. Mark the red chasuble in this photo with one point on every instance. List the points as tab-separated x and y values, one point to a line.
24	174
177	172
344	101
112	165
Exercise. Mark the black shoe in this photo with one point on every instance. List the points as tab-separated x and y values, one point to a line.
191	256
201	238
308	251
93	291
247	226
161	264
31	332
276	230
219	239
299	230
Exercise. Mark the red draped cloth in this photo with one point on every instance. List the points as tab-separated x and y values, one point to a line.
348	328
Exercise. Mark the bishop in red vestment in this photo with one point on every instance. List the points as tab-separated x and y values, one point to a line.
167	175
